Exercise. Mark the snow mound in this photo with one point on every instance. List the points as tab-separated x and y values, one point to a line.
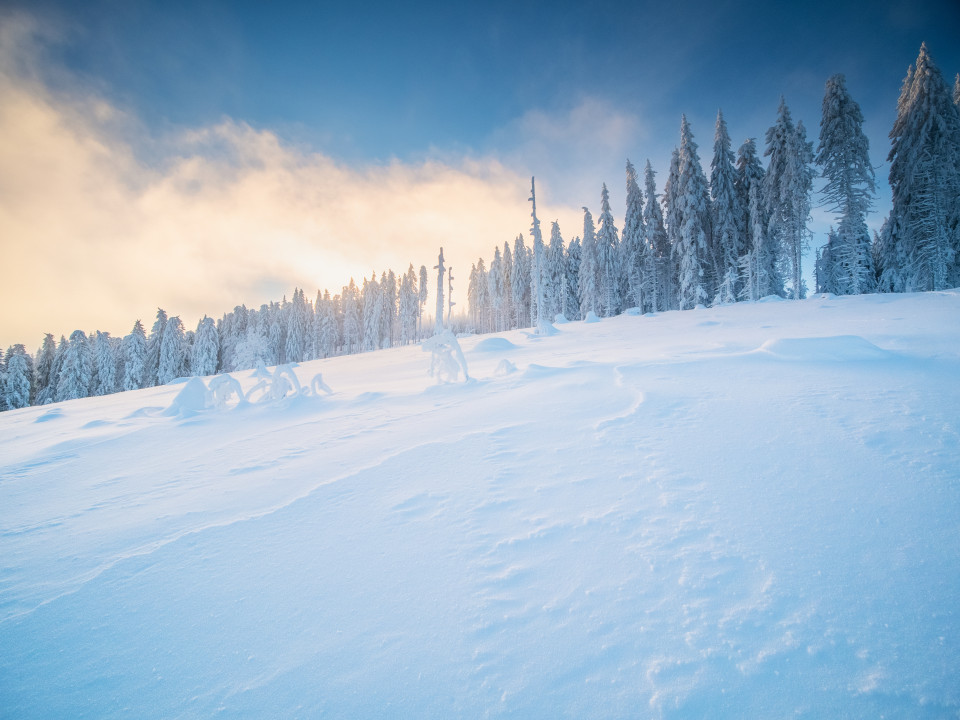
633	312
494	344
591	317
770	299
51	414
837	348
535	370
560	319
505	368
193	398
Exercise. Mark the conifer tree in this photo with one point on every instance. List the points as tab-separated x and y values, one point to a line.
295	337
153	348
538	309
826	266
497	291
424	290
372	313
843	155
77	371
17	385
671	215
482	294
408	307
172	352
206	348
104	365
924	225
789	181
57	369
634	280
134	349
658	260
760	266
327	340
693	216
520	283
727	216
556	276
45	382
571	301
509	315
608	258
589	290
388	302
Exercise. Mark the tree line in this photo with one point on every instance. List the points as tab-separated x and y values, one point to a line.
740	235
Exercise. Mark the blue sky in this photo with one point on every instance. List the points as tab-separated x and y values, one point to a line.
491	92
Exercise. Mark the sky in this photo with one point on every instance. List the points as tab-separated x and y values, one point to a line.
199	155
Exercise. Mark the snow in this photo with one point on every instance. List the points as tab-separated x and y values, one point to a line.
745	511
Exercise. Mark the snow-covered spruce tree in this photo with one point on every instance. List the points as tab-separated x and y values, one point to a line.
371	313
727	215
57	370
482	297
77	370
520	284
923	233
17	385
153	348
408	309
134	349
173	359
789	182
497	296
254	348
826	266
275	332
608	259
327	331
509	313
589	287
657	258
571	301
423	289
295	340
843	155
104	365
45	386
634	281
556	276
206	349
538	279
389	300
692	215
759	265
672	221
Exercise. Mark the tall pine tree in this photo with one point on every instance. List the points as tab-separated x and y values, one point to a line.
924	224
843	155
727	216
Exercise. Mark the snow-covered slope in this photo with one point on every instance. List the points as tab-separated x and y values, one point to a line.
748	511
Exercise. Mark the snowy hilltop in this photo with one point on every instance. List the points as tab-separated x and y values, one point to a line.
742	511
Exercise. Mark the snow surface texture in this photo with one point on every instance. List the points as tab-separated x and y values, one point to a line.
747	511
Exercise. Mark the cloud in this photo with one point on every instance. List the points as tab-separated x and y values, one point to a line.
95	235
574	151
